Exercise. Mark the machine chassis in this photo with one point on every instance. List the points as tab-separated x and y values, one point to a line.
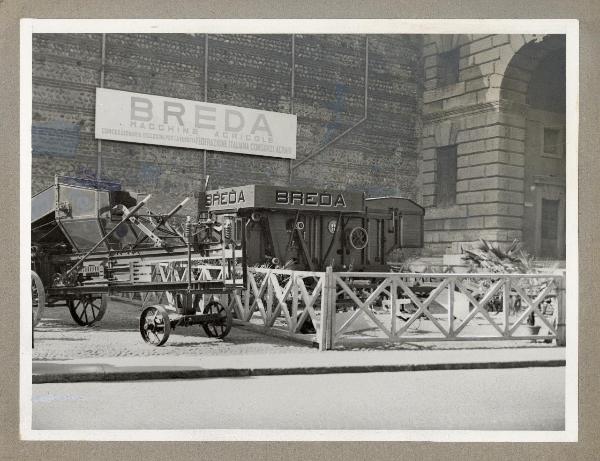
83	280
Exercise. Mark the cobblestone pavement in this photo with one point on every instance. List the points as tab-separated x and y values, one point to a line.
57	337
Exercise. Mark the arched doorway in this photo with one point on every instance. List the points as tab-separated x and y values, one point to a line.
538	71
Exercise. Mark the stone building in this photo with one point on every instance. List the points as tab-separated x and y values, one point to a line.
471	127
493	148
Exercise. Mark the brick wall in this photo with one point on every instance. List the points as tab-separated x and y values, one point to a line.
379	157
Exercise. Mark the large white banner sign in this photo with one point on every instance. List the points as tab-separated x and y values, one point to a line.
150	119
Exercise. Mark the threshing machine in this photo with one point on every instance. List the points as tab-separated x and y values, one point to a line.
311	229
91	241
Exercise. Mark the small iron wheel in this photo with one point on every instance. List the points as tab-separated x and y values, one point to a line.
87	309
220	328
38	298
155	326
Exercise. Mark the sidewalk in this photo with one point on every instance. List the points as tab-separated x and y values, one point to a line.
186	367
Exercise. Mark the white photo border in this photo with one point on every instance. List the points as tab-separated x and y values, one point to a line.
568	27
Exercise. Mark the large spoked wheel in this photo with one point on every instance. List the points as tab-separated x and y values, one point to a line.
220	328
155	326
38	298
87	309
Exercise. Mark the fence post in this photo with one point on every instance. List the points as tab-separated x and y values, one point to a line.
506	306
332	309
561	327
269	303
246	298
393	305
294	315
451	289
327	311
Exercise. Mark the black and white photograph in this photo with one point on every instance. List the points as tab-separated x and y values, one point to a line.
299	230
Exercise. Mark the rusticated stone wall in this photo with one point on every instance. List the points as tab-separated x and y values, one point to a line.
485	115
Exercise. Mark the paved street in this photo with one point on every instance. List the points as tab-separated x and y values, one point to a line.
499	399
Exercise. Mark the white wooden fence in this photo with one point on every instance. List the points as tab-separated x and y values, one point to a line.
282	302
173	272
334	309
353	308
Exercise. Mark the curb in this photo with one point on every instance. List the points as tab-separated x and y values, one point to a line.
99	374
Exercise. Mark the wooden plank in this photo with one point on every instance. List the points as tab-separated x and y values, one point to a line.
324	326
269	299
408	292
415	316
362	306
347	324
246	295
309	340
445	275
348	291
308	300
393	307
375	294
435	293
331	310
451	288
294	318
280	296
303	274
354	340
561	328
437	324
506	307
258	293
238	305
479	305
533	307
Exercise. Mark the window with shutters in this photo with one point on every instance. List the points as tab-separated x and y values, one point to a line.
448	67
446	176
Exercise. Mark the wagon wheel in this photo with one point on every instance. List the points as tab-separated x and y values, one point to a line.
38	298
155	326
221	327
87	309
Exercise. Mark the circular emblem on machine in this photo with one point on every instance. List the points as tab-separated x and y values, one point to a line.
331	225
358	238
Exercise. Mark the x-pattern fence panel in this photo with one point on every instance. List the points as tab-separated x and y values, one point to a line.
289	301
401	307
383	299
337	308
